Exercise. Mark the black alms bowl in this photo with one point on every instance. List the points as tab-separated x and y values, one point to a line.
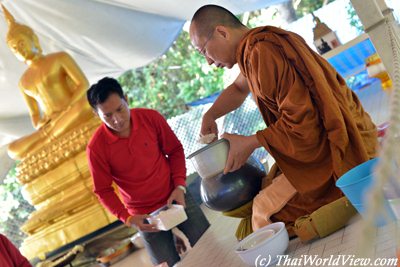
234	189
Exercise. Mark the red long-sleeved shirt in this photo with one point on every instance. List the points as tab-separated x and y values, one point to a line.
10	255
146	166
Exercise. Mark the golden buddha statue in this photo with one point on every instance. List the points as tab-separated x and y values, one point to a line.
53	87
53	170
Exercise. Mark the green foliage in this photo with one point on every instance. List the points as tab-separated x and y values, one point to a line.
181	75
307	6
14	208
354	20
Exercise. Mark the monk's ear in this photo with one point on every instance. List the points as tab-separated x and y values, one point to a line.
223	31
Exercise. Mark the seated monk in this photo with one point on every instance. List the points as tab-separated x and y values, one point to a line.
53	87
316	130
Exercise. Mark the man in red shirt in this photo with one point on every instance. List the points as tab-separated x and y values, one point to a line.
10	255
137	150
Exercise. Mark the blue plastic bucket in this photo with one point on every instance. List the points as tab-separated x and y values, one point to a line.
356	183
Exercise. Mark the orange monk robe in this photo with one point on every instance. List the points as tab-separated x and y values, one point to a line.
317	129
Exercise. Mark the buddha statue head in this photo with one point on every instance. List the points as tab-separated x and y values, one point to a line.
21	39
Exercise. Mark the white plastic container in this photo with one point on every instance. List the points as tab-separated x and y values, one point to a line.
167	218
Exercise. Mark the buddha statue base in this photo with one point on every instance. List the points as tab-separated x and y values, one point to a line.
70	228
57	181
53	168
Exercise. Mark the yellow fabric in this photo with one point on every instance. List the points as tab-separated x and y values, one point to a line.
332	217
244	227
304	228
271	200
325	220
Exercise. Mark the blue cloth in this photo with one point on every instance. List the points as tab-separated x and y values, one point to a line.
352	60
204	100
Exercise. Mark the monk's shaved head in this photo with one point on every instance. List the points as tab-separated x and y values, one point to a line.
208	17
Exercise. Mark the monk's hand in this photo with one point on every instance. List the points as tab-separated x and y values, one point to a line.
208	125
240	149
178	196
138	221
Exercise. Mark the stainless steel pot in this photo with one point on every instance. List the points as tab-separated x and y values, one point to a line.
211	159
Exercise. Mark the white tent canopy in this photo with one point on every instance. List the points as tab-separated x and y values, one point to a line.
105	37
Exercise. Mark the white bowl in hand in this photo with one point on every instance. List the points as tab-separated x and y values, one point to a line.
262	247
167	217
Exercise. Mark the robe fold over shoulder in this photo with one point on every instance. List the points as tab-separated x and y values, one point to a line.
317	128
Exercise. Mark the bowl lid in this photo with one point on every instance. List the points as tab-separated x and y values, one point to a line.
207	147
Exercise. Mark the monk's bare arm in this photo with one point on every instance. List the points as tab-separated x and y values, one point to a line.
230	99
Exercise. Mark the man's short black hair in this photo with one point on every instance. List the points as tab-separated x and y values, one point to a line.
100	91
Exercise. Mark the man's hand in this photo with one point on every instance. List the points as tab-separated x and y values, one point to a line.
137	221
240	149
178	196
180	245
208	125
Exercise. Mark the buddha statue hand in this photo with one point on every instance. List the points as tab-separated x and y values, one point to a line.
39	122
